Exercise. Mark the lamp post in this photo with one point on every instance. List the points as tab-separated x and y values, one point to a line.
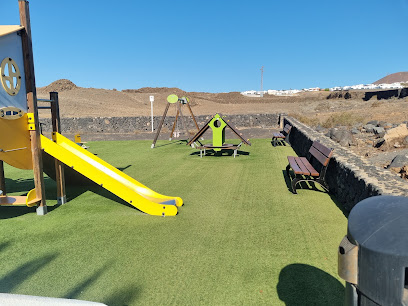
151	103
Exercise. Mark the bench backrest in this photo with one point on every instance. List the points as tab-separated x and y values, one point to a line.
321	153
287	128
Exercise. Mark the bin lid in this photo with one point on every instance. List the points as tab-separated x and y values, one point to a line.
380	223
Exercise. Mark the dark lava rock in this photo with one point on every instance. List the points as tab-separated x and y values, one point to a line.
379	142
385	125
369	128
373	122
378	130
342	136
355	131
398	161
320	129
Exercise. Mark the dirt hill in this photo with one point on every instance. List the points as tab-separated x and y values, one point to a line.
77	101
394	78
59	85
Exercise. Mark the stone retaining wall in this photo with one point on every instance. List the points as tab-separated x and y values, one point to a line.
141	124
386	94
350	177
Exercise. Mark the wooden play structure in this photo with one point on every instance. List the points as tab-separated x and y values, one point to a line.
217	123
22	144
179	103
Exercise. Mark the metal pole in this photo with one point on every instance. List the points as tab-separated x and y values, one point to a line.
151	103
262	81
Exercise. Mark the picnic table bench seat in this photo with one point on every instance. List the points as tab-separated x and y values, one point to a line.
225	146
282	135
304	170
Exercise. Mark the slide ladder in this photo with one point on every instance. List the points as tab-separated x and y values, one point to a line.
110	178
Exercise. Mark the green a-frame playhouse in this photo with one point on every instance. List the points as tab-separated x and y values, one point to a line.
217	123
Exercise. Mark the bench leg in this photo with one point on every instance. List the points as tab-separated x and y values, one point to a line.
301	179
323	184
294	182
201	153
274	141
287	170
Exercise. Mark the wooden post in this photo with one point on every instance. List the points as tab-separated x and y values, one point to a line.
183	121
160	125
174	126
59	167
192	115
2	178
32	104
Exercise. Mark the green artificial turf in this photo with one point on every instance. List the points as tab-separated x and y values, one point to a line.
242	238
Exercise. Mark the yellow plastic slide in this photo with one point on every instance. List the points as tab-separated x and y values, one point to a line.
110	178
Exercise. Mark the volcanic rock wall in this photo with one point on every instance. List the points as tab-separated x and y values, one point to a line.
350	177
143	124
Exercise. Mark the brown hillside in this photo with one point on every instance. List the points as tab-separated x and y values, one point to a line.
78	101
394	78
59	85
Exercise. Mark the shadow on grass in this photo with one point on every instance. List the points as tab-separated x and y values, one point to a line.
301	284
23	186
172	142
80	287
280	143
220	153
14	278
312	186
4	245
124	296
124	168
72	192
301	185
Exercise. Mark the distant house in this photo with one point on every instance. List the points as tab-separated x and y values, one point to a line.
337	88
391	86
249	93
253	93
312	89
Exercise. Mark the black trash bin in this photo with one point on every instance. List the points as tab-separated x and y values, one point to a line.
373	257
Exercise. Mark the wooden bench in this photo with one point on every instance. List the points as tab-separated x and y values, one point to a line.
284	135
303	169
225	146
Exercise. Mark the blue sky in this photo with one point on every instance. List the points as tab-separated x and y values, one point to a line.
215	46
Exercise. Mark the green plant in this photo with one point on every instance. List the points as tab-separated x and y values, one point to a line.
342	119
306	120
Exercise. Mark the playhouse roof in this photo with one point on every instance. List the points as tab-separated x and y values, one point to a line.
8	29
